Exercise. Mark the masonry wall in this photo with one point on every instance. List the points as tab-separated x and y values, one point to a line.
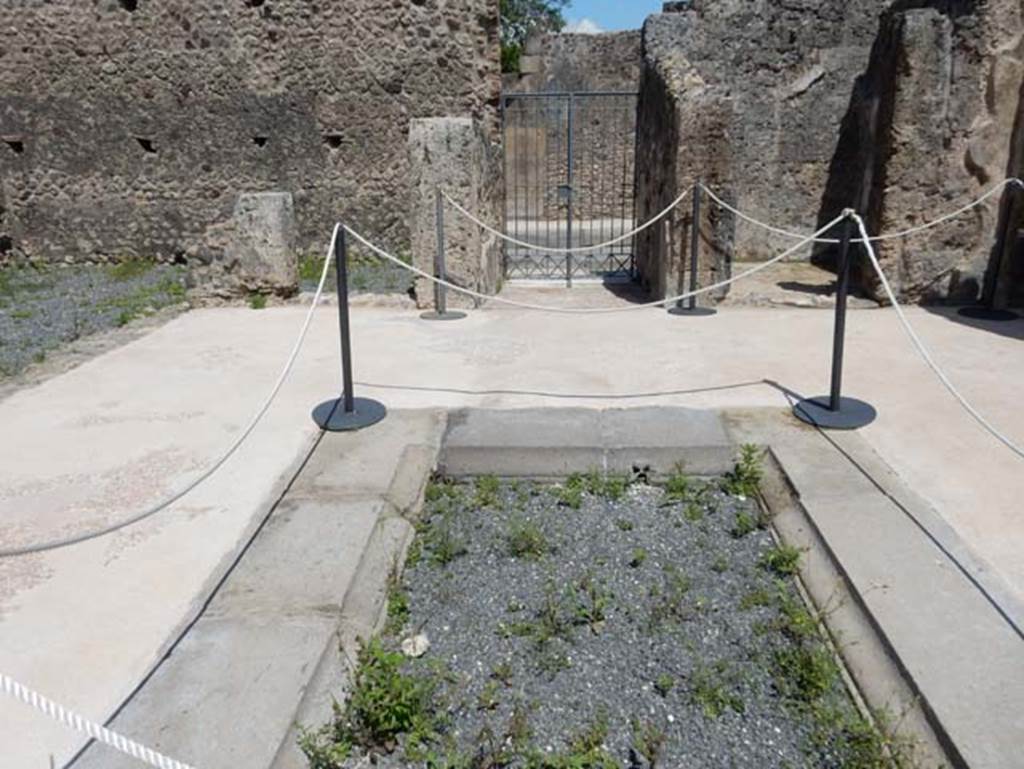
130	127
609	61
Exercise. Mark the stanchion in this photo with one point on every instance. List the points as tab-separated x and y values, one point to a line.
441	311
987	309
346	413
833	411
691	307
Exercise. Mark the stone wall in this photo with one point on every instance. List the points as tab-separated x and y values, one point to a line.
129	128
609	61
930	126
902	110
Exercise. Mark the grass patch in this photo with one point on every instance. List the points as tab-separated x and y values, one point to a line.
711	689
130	268
486	492
526	540
783	560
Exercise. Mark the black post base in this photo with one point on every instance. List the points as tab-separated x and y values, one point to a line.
696	312
447	315
331	415
981	312
851	415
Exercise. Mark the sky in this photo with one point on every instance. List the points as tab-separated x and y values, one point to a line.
609	15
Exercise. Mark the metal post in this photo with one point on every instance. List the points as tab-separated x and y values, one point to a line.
691	307
834	411
347	412
569	183
440	311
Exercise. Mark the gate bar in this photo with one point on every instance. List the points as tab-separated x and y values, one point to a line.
835	412
569	196
440	311
346	413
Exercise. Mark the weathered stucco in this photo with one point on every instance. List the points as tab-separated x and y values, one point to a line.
132	133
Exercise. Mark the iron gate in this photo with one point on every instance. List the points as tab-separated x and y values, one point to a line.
569	182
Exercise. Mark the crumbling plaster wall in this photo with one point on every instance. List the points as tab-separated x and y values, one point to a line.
609	61
130	128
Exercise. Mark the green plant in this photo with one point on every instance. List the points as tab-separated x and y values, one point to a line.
258	301
590	602
759	596
677	485
783	560
720	564
520	18
669	602
664	684
130	268
649	741
385	703
693	512
747	474
526	540
585	751
488	699
398	606
311	267
803	673
502	672
571	492
487	488
443	545
623	525
638	558
745	524
710	689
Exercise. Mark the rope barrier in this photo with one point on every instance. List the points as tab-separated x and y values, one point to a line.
74	721
888	236
923	350
576	249
75	539
592	310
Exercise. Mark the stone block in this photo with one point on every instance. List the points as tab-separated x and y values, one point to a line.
452	154
261	251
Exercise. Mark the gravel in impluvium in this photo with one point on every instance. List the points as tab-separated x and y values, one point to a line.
600	624
42	308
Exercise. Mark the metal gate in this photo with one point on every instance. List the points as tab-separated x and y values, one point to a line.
569	182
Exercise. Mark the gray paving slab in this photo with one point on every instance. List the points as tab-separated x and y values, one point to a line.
552	443
227	694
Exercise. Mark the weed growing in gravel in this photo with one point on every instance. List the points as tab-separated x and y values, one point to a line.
649	741
783	560
486	491
488	699
398	604
571	492
623	525
720	565
526	540
759	596
747	474
694	512
670	604
711	691
502	672
385	704
804	674
590	602
442	543
586	750
664	683
677	486
638	558
611	487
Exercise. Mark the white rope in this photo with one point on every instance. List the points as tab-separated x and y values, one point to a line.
576	249
235	445
74	721
591	310
924	350
877	238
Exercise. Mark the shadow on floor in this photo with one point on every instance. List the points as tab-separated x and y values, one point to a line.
1013	329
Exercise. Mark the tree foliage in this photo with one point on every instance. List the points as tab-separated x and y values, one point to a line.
519	19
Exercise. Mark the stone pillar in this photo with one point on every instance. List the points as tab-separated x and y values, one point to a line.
682	136
452	154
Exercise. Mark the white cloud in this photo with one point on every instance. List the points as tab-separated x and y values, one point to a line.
583	27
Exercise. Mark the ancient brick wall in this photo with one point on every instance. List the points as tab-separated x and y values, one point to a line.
609	61
130	127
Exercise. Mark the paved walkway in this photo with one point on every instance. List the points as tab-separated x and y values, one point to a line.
83	625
